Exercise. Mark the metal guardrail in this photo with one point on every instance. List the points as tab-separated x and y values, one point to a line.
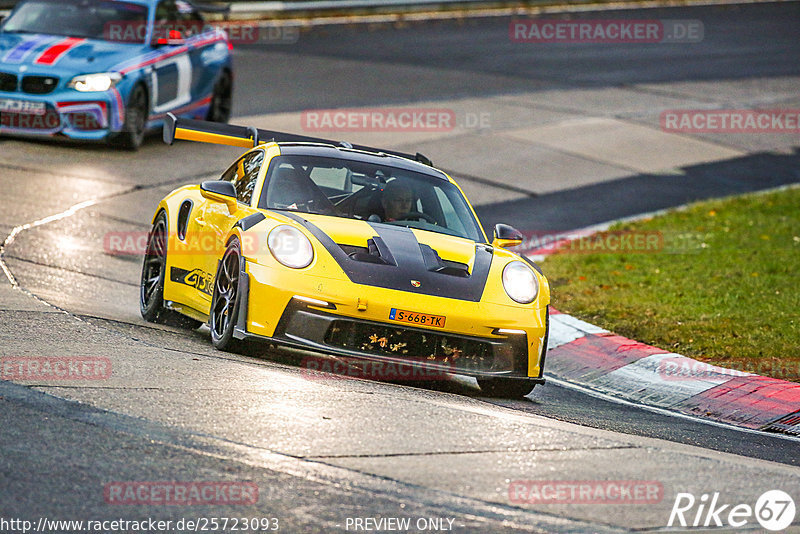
290	6
249	9
305	5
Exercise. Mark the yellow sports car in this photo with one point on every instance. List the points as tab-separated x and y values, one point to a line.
348	250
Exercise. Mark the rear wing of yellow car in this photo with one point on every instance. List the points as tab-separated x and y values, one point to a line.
248	136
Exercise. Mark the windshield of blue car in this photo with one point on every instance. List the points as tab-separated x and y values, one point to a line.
369	192
93	19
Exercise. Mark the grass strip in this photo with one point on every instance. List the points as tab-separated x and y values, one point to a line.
721	285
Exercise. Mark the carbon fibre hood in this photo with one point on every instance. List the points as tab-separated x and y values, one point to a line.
396	257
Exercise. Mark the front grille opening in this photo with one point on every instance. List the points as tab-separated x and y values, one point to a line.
39	85
8	82
84	121
430	347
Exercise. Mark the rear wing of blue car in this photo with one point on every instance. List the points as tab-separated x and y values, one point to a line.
248	136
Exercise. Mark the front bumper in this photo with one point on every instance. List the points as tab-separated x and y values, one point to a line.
332	326
89	116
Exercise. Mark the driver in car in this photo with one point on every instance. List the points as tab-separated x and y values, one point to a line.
397	200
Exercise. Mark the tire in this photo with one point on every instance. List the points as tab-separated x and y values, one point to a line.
132	135
226	299
151	286
220	108
508	388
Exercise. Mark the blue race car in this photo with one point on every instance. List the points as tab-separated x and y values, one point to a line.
110	69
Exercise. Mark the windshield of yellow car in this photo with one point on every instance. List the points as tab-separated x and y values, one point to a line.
370	192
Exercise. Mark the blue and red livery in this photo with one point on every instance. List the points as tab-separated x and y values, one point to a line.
110	69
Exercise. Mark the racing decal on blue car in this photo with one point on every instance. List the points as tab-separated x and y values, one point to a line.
21	51
55	52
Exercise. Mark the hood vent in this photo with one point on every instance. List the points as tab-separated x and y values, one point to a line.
369	254
437	265
376	252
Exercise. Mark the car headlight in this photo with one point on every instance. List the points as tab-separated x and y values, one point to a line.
102	81
520	282
290	246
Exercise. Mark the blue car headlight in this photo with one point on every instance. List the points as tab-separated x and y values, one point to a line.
98	82
520	282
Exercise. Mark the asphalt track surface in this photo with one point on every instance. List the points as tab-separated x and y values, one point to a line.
178	410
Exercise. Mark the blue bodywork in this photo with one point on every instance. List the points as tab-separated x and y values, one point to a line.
178	75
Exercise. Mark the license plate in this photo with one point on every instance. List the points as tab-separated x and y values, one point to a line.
10	105
422	319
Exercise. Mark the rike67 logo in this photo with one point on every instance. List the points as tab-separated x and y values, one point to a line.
774	510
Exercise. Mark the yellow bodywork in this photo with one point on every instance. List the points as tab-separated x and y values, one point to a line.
212	225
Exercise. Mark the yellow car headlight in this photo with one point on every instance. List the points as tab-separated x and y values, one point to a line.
290	246
101	81
520	282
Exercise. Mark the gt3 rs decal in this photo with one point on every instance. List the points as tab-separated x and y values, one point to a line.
21	51
196	278
407	263
51	55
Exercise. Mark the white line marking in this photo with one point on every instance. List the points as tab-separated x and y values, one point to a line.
19	229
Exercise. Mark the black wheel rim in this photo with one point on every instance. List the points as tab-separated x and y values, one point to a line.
226	290
154	261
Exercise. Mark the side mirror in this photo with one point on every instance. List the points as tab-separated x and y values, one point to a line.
506	236
220	191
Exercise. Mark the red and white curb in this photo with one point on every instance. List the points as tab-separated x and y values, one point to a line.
586	355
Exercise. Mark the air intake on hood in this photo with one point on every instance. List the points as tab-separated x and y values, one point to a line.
437	265
369	254
376	252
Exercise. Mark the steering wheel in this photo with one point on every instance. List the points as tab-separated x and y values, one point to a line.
411	215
